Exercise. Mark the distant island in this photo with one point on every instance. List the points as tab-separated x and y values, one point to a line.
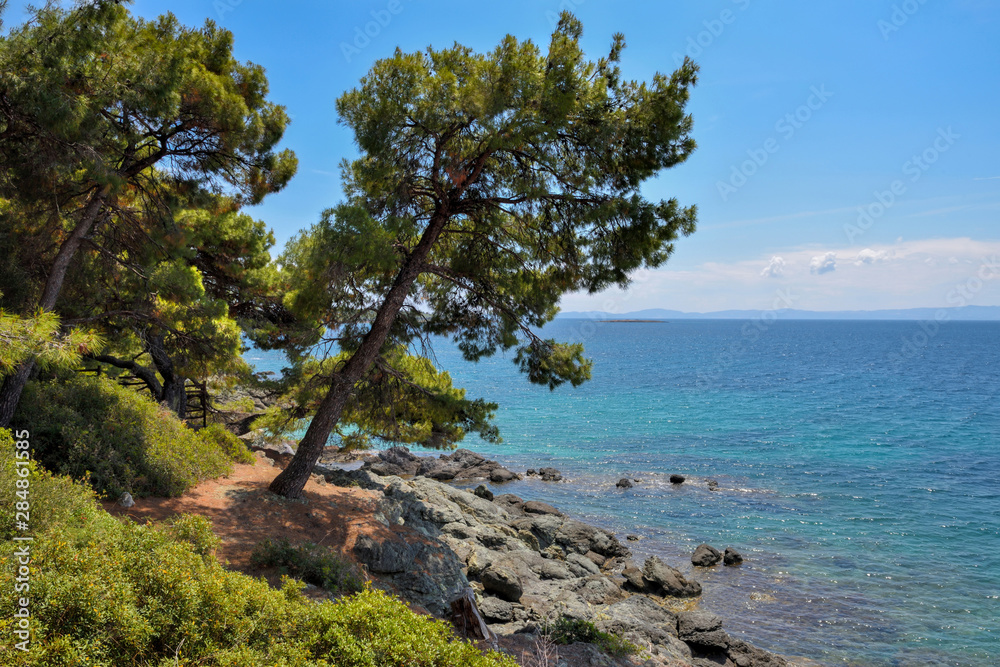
964	313
637	321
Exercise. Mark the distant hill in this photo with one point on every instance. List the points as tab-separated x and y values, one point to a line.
965	313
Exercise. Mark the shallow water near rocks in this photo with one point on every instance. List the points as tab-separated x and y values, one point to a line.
857	474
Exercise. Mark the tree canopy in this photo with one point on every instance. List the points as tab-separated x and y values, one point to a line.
487	186
101	113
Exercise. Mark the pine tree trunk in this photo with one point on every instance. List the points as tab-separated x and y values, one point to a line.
293	478
10	392
13	385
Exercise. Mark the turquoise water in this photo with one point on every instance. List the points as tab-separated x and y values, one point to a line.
857	461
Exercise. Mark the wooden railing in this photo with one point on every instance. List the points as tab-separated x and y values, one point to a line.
195	393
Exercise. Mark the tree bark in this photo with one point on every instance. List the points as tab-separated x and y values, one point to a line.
13	385
10	392
293	478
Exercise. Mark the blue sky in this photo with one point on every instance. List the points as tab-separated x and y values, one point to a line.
807	115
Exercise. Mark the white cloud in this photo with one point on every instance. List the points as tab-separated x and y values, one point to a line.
916	273
869	256
821	264
775	268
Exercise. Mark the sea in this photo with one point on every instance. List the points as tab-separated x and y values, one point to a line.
857	462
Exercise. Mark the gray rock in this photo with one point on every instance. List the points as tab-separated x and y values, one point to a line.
581	565
598	590
550	475
580	537
667	581
501	475
677	479
746	655
706	556
424	572
732	557
633	579
510	502
624	483
713	485
554	569
640	615
125	500
703	629
502	582
483	492
495	610
596	558
538	507
632	538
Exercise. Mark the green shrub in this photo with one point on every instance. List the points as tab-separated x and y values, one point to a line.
121	438
227	443
310	563
137	596
568	630
196	530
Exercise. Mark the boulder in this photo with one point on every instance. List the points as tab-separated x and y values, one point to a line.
706	556
538	507
425	572
633	578
677	479
713	485
496	610
703	629
666	581
126	500
640	615
550	475
483	492
393	461
624	483
502	582
510	502
501	475
580	538
732	557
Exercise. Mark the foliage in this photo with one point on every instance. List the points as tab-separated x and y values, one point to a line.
93	426
105	592
39	337
568	630
309	562
402	399
195	530
227	443
488	186
111	124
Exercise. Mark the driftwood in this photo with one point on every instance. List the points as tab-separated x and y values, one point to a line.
468	621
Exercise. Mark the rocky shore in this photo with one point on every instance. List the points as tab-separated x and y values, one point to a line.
526	564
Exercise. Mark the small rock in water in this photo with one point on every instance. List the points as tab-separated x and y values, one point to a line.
706	556
550	475
624	483
632	538
732	557
483	492
677	479
126	500
530	472
713	485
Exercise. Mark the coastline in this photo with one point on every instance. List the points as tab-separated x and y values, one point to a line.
561	566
